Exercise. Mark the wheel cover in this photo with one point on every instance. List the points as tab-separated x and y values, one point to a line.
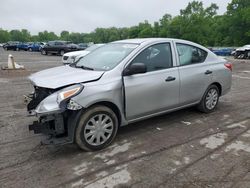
98	129
211	99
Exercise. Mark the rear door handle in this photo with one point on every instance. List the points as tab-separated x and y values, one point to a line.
208	72
170	78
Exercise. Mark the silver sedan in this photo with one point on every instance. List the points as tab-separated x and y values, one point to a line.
124	82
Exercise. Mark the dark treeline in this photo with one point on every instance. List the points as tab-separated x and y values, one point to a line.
196	23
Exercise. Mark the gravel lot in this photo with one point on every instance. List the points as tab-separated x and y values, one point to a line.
181	149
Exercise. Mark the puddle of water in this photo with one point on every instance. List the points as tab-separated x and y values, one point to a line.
186	160
177	163
110	162
247	134
78	183
102	174
80	169
238	146
214	141
214	156
240	124
116	149
120	177
186	122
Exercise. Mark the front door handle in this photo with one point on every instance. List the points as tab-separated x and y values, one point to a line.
170	78
208	72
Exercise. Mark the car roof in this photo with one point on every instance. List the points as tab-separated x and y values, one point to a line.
149	40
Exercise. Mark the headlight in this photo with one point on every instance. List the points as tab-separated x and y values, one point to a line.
69	92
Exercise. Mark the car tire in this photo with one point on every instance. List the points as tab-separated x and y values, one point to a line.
61	52
43	52
209	100
17	49
91	135
30	49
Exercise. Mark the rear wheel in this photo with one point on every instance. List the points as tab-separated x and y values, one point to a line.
209	100
30	49
17	49
62	52
96	129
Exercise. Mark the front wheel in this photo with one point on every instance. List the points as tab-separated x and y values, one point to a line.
210	99
30	49
96	129
43	52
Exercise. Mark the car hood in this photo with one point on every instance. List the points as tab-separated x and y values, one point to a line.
76	53
62	76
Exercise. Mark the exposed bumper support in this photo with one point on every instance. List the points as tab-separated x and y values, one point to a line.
59	128
51	124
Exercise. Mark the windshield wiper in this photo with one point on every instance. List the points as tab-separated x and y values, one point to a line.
84	67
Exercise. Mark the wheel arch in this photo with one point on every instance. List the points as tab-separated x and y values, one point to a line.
110	105
219	87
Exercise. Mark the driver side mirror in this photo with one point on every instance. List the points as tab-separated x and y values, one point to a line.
136	68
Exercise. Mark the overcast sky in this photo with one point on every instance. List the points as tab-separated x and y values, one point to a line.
86	15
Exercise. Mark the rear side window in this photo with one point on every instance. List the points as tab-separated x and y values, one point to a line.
189	55
156	57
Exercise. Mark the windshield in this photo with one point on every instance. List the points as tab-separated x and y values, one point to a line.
106	57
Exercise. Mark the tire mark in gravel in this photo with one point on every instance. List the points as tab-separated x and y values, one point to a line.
211	181
162	150
245	160
19	140
220	179
30	158
241	177
189	139
179	171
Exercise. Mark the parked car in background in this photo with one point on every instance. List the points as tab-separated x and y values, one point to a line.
58	47
222	51
121	83
72	57
35	46
11	45
23	46
242	53
83	46
42	44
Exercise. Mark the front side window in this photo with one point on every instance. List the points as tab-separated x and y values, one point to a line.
156	57
190	55
106	57
51	43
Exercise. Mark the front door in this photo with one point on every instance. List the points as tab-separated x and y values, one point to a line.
156	90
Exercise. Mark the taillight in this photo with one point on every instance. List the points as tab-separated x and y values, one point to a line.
229	66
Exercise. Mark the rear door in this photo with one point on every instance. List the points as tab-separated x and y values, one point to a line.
156	90
195	73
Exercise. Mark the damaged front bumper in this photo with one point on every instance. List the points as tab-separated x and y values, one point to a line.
59	128
56	120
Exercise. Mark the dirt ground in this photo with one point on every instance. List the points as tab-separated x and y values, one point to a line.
182	149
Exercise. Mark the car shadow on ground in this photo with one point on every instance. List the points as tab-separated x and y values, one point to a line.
164	121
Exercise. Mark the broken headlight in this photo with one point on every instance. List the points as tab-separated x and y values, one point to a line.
69	92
